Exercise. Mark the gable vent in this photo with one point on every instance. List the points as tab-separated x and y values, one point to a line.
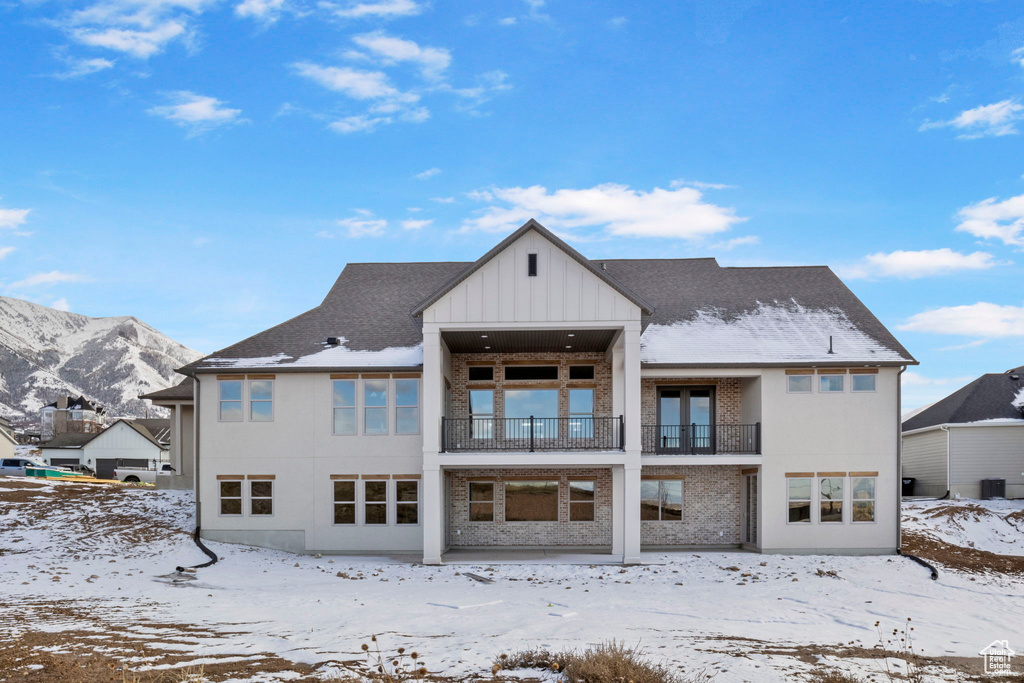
531	265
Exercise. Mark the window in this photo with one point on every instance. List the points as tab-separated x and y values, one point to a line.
863	495
407	502
375	502
527	372
581	501
531	265
661	500
830	384
799	491
344	502
261	400
231	498
407	406
862	382
261	497
541	404
581	413
481	501
344	401
481	373
531	501
230	400
481	410
375	406
800	384
581	372
831	501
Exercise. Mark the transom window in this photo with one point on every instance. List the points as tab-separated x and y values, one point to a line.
581	501
800	384
529	372
230	400
375	406
831	384
261	400
581	372
661	500
481	501
799	493
862	382
531	501
481	373
344	401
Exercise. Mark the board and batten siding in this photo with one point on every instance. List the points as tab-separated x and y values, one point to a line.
983	452
924	458
562	290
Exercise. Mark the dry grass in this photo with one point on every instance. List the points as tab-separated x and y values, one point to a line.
610	662
827	676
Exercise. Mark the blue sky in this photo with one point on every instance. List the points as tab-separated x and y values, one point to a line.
210	166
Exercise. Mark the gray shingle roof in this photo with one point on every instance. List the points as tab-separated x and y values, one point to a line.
370	307
71	440
989	397
155	429
183	391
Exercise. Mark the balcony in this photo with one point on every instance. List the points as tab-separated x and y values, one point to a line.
531	434
697	439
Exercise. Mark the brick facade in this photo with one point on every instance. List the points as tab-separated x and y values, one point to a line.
462	532
727	397
711	506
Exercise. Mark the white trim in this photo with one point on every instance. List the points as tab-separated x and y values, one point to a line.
251	401
962	425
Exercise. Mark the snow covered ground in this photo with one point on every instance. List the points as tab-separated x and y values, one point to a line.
86	560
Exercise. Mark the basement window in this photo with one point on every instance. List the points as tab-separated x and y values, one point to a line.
530	372
375	502
345	502
231	498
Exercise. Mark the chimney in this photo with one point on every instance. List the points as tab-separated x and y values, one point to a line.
60	416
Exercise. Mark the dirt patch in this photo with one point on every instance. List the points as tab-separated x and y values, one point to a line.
19	484
959	558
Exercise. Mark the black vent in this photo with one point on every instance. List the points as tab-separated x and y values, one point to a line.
531	265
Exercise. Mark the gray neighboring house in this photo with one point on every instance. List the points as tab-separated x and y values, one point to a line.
975	433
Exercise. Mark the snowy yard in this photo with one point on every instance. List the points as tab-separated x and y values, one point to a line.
82	567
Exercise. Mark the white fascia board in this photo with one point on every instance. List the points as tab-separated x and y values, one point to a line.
963	425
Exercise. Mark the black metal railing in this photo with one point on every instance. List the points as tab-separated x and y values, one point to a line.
695	439
530	434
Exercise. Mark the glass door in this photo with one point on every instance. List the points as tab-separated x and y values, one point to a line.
686	420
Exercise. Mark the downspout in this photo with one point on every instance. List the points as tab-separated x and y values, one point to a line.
949	463
899	459
195	484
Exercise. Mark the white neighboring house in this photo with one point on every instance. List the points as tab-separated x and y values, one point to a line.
535	398
7	440
975	433
125	443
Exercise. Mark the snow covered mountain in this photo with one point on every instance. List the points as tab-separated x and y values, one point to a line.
45	352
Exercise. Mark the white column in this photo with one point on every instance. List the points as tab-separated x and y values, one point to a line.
631	386
176	449
631	515
618	378
618	491
433	517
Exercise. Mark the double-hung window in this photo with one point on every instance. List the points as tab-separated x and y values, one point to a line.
344	400
481	501
230	400
831	500
799	494
261	497
581	413
345	502
261	400
375	502
407	406
661	500
375	406
863	497
407	501
231	498
581	501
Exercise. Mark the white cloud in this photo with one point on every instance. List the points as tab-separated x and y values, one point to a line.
12	218
677	214
918	264
429	173
990	120
736	242
198	113
357	124
365	226
431	61
136	42
361	85
84	67
443	200
508	21
700	185
1018	56
415	224
993	219
4	251
266	11
386	9
914	379
617	22
61	304
981	320
45	279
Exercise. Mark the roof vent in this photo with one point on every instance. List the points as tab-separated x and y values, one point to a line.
830	345
1015	377
333	341
604	266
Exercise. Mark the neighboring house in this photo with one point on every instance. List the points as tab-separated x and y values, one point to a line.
535	398
126	443
180	402
7	440
975	433
69	415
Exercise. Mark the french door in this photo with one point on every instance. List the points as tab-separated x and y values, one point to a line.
686	420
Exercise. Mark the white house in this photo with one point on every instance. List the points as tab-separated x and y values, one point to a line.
178	399
126	443
536	398
975	433
7	440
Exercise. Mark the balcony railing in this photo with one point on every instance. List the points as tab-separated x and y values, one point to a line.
695	439
531	434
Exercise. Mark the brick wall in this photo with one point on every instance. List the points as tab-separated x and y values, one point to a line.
711	504
727	397
502	533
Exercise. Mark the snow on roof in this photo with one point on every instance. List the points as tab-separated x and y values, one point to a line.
1018	401
769	333
331	357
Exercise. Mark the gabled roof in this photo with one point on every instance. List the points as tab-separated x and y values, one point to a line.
70	440
551	237
80	403
156	431
4	434
182	391
990	397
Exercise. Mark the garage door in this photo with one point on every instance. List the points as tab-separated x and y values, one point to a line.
105	466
